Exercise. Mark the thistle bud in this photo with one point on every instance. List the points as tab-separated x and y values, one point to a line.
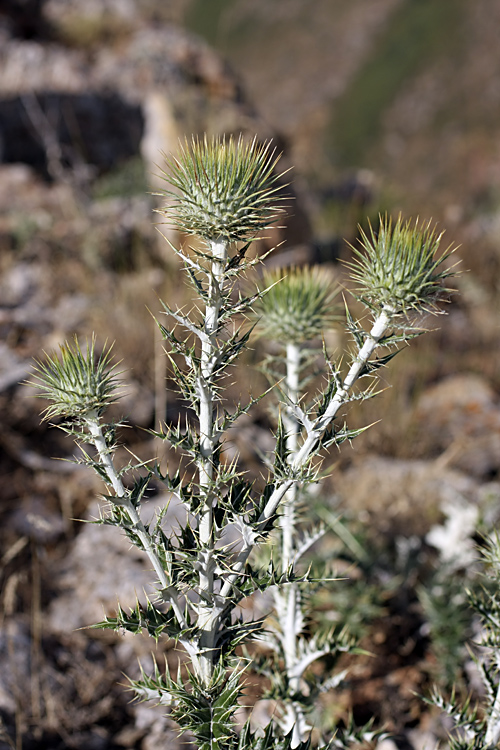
298	304
222	188
77	384
398	268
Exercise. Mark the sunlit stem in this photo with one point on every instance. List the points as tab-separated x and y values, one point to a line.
294	719
208	445
288	620
167	590
492	736
292	429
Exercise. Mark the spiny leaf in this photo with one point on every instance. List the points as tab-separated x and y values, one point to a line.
375	364
334	383
183	438
355	329
239	496
177	483
230	350
281	452
137	492
271	740
207	711
153	687
354	736
140	618
464	716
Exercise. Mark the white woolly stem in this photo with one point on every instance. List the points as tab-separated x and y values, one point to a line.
293	429
492	735
290	625
378	330
294	719
168	591
208	445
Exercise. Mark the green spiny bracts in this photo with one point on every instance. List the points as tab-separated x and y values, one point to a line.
223	188
398	268
298	305
76	383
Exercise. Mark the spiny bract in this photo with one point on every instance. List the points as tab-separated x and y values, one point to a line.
76	383
223	188
298	305
398	267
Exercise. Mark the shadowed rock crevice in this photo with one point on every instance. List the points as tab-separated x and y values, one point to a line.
24	18
97	129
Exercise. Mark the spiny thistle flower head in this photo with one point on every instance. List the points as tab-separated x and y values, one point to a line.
399	267
298	305
76	383
223	188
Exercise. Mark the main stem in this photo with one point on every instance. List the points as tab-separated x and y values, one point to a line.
293	429
288	602
208	445
287	612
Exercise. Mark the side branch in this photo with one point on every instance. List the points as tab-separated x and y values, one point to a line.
379	329
184	321
168	591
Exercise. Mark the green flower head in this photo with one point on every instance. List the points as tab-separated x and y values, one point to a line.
76	383
298	304
223	188
400	266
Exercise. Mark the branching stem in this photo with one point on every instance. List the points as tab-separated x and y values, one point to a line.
379	329
293	429
227	192
288	604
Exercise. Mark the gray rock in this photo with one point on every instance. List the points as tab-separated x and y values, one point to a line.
403	497
460	418
34	520
58	10
15	650
103	569
12	369
19	283
29	66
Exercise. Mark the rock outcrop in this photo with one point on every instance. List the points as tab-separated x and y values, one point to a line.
165	78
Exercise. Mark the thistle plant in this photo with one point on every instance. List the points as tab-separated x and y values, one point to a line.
226	192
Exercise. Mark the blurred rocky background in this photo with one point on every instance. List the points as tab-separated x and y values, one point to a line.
380	106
